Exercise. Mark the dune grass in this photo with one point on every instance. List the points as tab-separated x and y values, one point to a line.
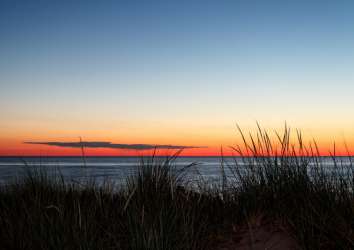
291	182
158	209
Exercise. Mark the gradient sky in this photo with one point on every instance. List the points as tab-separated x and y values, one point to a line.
173	72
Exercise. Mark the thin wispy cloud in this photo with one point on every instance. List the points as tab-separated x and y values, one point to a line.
103	144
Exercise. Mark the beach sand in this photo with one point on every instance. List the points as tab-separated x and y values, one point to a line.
260	234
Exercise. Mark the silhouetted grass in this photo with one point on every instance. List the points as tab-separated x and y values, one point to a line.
158	209
291	182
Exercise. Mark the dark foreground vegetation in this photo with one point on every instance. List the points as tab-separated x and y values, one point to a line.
159	209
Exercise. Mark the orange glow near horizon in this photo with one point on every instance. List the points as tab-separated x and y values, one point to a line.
16	147
21	149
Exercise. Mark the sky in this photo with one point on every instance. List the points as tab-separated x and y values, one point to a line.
173	73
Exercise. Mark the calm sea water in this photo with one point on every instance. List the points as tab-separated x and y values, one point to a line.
114	168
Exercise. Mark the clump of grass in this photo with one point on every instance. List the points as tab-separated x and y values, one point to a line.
289	180
41	213
161	212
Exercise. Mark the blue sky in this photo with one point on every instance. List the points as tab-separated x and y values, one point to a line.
103	65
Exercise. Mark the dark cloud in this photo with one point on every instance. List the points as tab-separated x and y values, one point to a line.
102	144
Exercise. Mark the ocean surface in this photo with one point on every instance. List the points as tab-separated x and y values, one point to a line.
116	169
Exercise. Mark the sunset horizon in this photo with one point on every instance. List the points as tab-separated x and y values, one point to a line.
75	147
176	125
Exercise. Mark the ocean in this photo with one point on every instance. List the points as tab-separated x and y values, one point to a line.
116	169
